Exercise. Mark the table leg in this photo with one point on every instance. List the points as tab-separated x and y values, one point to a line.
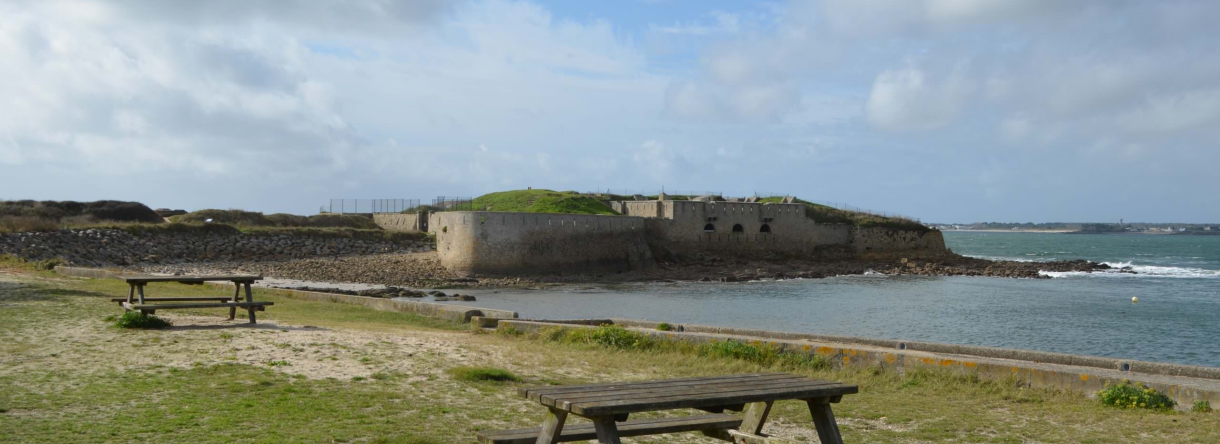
607	431
552	426
755	416
250	298
824	420
140	291
131	293
236	298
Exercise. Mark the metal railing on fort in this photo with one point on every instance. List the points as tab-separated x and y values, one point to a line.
445	203
370	206
855	209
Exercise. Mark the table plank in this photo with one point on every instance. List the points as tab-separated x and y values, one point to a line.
535	392
552	400
208	305
567	405
190	279
818	389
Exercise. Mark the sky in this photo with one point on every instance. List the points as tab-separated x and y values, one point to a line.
943	110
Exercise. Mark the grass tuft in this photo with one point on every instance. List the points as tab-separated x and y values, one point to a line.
1134	396
136	319
767	355
480	374
1201	407
665	326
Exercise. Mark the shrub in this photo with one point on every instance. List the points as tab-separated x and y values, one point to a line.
136	319
664	326
766	355
477	374
612	336
111	210
1137	396
26	224
1201	407
47	264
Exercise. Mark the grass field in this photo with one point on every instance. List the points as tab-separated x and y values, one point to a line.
830	215
541	201
323	373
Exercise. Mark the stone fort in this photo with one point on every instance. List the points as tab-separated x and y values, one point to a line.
494	243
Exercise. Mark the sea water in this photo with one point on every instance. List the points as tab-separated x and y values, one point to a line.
1176	320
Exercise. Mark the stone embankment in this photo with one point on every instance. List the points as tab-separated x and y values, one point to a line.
389	291
417	270
97	247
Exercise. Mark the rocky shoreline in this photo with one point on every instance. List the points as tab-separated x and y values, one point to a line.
423	270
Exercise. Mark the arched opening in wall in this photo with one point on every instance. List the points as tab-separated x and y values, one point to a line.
709	228
766	228
737	228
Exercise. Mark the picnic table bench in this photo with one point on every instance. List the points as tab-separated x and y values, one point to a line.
137	301
609	405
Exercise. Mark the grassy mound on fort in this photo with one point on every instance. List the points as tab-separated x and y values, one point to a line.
541	201
830	215
240	218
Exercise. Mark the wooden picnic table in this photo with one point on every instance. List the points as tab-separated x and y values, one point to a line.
137	301
609	405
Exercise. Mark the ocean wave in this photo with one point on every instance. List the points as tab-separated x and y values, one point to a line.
1001	258
1141	271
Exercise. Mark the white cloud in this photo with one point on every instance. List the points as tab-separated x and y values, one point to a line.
906	99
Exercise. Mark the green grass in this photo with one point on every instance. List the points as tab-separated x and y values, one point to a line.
830	215
240	218
46	397
135	319
1201	407
541	201
483	374
765	355
1133	396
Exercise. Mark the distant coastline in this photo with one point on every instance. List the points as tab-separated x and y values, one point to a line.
1009	231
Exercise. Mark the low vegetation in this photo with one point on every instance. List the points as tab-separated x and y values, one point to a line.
1201	407
483	374
1134	396
246	219
136	319
541	201
18	216
830	215
765	355
616	337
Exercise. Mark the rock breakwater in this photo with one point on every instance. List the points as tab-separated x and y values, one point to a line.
104	247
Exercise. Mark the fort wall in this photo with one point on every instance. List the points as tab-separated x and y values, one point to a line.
884	240
480	242
534	243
